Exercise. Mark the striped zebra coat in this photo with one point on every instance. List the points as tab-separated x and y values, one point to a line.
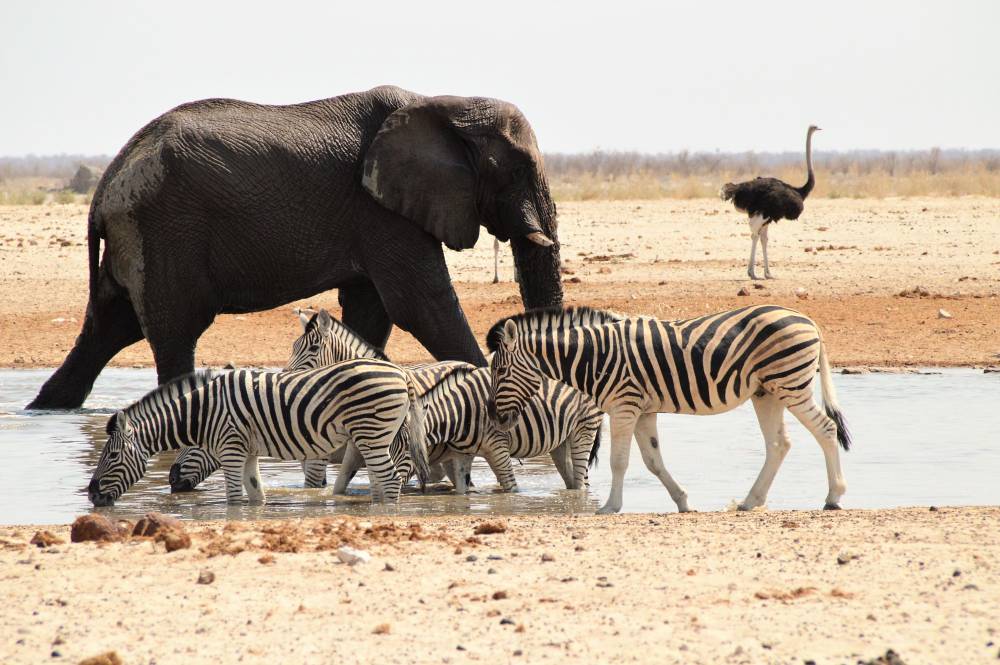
245	414
635	368
324	341
559	421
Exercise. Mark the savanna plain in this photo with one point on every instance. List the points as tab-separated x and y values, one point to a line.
894	283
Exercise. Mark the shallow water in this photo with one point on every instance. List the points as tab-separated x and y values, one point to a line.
919	440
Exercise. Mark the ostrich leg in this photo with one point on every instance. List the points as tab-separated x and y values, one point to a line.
756	224
763	245
496	261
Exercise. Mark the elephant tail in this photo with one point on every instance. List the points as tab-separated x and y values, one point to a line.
94	234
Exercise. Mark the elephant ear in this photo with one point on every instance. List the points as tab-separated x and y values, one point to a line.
418	165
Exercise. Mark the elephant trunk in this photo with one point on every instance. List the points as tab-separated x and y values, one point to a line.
538	265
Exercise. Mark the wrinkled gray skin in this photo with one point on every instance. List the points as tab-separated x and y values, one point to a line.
223	206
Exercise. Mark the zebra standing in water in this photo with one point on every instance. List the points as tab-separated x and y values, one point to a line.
324	341
635	368
559	421
242	415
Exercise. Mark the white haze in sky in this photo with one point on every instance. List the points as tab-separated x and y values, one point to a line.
81	77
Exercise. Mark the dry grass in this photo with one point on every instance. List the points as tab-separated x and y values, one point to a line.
621	176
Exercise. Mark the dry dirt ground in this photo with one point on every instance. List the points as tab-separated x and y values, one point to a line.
669	258
761	587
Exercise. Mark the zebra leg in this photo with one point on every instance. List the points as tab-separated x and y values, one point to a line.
348	469
560	458
770	417
233	463
498	457
461	469
315	472
622	427
763	246
251	480
579	454
649	446
825	431
383	479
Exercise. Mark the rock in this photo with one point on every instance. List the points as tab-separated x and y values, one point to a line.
743	292
499	595
381	629
758	286
46	539
163	529
486	528
506	621
846	557
889	658
855	370
944	314
93	527
206	577
153	523
352	557
107	658
472	558
801	293
546	557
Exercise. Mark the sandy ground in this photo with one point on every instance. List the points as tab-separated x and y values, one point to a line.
668	258
762	587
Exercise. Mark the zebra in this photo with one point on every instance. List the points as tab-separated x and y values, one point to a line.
324	341
637	367
244	414
559	421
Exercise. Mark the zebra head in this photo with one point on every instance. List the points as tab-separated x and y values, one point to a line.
193	465
516	378
122	463
327	341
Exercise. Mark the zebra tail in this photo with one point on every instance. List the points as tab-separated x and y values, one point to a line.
830	399
592	461
417	443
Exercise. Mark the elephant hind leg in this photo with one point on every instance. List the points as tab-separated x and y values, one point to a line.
110	325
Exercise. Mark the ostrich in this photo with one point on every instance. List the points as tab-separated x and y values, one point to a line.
767	200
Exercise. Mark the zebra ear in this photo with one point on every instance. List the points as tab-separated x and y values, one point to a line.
324	321
509	333
121	422
304	318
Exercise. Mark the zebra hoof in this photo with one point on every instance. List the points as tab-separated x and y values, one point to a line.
831	506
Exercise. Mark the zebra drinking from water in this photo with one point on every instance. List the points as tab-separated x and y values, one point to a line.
559	421
245	414
324	341
635	368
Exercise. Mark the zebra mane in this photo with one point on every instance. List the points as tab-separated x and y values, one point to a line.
173	388
453	377
550	318
344	332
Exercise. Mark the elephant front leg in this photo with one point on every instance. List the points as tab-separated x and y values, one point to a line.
416	289
364	312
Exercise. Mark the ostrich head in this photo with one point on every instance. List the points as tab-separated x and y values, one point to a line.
813	128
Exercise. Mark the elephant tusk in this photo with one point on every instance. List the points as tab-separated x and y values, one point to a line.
539	238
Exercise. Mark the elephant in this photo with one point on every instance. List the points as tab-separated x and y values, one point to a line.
225	206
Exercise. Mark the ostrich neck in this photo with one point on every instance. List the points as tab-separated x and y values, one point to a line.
810	179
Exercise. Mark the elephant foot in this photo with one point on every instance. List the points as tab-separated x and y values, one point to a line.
831	506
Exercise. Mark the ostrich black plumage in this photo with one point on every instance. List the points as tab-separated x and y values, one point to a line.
767	200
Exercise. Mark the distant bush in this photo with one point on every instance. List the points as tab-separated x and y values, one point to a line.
64	196
84	180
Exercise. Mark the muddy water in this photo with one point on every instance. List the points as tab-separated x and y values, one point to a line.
919	440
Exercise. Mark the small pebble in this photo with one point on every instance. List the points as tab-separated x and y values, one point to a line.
471	558
548	557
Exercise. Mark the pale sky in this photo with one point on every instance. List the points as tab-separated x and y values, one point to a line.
81	77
